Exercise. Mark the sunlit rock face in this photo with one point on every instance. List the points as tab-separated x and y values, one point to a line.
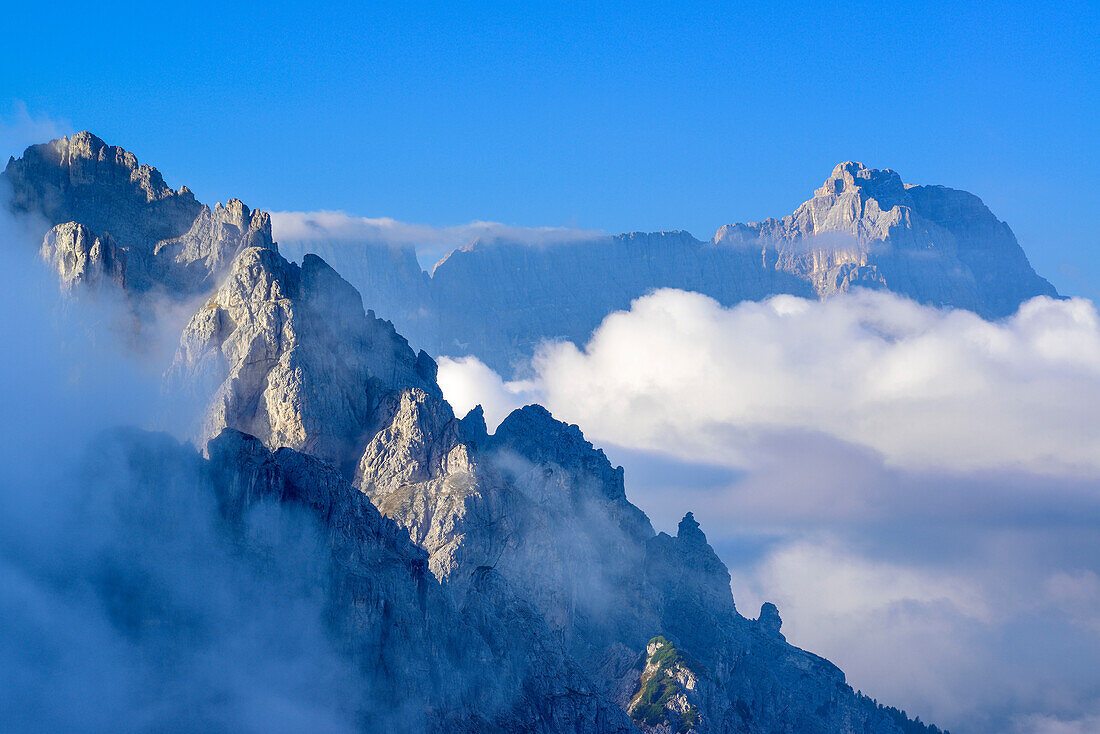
291	357
171	244
866	228
80	258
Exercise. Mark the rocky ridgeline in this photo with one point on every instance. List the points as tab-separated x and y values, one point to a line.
533	511
418	661
505	577
866	228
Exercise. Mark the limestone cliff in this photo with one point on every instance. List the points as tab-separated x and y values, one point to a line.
80	258
314	551
864	227
505	581
289	355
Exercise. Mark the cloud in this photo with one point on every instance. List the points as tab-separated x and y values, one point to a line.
919	385
842	583
467	381
915	488
428	240
1079	593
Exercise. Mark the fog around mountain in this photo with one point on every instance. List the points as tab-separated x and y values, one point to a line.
911	481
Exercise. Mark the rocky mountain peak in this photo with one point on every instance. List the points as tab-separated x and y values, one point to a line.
848	191
854	176
535	434
769	620
171	243
290	356
235	211
689	532
474	428
530	524
559	578
56	177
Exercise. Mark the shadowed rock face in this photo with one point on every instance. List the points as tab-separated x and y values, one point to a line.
416	662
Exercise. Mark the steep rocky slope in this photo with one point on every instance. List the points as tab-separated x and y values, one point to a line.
864	227
281	536
292	358
83	259
388	276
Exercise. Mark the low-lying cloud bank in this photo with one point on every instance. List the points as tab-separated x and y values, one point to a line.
917	489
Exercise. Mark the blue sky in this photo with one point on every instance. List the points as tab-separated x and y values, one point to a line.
606	116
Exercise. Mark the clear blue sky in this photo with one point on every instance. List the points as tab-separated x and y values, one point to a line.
617	116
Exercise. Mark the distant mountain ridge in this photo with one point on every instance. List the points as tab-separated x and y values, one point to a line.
862	228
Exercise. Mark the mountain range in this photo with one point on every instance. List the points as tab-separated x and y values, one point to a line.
484	581
863	228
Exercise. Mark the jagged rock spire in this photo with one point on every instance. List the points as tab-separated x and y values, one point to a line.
689	531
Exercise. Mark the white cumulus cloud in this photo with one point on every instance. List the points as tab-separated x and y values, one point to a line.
921	386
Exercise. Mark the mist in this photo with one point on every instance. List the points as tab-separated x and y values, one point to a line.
124	605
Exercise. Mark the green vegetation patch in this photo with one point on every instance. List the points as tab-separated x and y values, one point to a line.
649	704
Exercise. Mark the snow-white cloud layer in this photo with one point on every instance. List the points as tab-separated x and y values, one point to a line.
918	489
